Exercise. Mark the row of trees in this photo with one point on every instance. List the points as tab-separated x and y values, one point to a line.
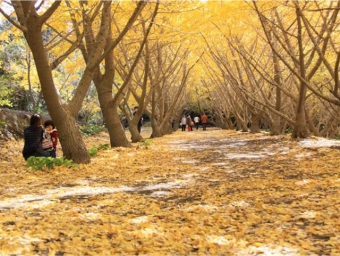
283	73
257	64
107	44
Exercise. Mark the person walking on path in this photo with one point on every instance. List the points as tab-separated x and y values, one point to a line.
33	136
197	122
189	123
204	120
183	123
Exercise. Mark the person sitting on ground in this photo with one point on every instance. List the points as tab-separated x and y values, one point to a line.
52	133
33	136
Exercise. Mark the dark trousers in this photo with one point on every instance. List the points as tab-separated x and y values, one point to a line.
183	127
53	153
204	127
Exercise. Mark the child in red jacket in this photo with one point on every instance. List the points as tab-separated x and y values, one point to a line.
52	131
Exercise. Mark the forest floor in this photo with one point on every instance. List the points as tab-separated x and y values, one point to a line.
211	192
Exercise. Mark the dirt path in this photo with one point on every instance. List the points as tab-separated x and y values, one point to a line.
212	193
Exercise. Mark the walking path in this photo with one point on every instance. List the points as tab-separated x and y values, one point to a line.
212	192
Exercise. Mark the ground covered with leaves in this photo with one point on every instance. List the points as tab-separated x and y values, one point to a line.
211	192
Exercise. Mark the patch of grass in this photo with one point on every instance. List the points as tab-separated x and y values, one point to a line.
146	143
289	131
38	163
91	129
93	151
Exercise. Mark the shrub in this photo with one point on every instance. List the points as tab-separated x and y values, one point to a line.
145	143
38	163
91	129
93	151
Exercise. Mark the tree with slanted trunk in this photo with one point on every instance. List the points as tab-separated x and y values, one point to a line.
293	48
104	77
31	23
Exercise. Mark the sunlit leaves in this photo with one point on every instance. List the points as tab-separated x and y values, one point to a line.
231	193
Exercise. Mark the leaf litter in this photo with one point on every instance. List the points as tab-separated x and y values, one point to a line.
209	192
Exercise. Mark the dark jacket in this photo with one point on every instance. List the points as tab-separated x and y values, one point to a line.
33	137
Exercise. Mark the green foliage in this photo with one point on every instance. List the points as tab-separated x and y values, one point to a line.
93	151
337	137
146	143
2	123
38	163
289	131
91	129
5	92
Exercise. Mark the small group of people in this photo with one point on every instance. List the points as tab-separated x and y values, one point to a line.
40	139
187	121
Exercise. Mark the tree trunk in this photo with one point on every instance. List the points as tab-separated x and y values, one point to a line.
72	142
300	129
276	122
111	117
69	135
133	128
310	124
117	133
156	130
255	123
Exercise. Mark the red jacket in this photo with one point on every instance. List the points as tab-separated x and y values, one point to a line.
54	137
204	119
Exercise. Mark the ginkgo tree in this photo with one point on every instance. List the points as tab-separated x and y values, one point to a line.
276	63
159	81
302	43
32	20
104	74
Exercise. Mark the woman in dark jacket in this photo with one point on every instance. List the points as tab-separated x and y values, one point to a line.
33	136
